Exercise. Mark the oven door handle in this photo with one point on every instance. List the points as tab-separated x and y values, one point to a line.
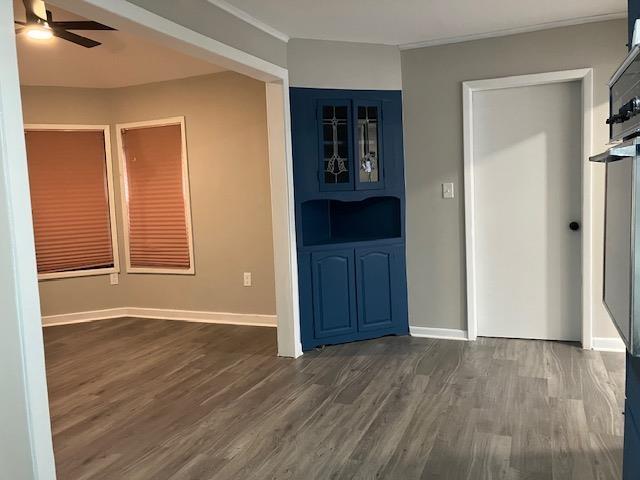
617	152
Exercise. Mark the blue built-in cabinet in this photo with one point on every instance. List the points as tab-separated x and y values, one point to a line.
631	463
348	170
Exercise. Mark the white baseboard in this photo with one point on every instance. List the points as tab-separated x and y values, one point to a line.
250	319
83	317
443	333
608	344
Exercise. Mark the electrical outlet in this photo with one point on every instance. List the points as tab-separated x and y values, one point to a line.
247	279
113	279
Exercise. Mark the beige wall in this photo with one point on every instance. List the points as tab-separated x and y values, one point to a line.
432	87
328	64
226	131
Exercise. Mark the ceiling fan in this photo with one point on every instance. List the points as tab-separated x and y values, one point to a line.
40	25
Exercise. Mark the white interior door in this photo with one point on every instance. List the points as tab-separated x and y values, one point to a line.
527	185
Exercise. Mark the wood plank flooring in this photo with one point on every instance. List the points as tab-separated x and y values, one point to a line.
148	399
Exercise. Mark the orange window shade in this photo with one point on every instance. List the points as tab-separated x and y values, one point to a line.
158	235
70	200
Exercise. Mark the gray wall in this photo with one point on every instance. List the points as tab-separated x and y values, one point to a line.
226	129
432	86
325	64
203	17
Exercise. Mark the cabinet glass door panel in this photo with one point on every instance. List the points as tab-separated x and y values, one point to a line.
335	145
368	132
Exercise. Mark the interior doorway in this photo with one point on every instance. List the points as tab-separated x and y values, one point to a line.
527	199
28	425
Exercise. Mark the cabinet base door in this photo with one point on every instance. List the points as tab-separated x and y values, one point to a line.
381	290
334	296
631	455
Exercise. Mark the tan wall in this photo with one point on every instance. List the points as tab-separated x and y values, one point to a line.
226	130
432	86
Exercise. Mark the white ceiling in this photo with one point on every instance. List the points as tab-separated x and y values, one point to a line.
404	22
121	60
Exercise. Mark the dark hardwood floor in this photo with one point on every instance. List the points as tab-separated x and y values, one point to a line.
148	399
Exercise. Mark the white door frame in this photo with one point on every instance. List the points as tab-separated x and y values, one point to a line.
585	76
26	450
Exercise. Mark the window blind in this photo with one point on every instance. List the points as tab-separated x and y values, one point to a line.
69	200
158	234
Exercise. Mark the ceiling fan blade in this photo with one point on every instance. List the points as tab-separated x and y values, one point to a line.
35	10
81	25
77	39
19	30
19	22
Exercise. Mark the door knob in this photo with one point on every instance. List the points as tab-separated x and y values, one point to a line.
574	226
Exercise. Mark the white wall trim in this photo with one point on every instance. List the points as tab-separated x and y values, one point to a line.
26	449
250	319
513	31
585	76
608	344
443	333
250	19
283	219
82	317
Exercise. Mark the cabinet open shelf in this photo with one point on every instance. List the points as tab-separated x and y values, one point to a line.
333	221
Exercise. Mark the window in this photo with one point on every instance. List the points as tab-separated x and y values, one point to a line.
72	200
155	187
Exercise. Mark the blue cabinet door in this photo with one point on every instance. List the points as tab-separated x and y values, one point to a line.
334	296
631	453
381	287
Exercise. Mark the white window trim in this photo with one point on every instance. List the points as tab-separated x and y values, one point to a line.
185	189
106	131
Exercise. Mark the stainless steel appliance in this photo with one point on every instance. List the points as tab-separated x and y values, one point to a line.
621	291
624	98
622	240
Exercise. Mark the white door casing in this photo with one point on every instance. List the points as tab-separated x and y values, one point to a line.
582	144
26	450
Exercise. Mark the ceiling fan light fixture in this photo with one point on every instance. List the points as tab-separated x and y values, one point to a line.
39	32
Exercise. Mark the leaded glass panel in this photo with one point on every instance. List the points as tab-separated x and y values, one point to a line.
367	144
335	132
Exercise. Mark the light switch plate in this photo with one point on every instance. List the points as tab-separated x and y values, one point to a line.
247	279
447	190
113	279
